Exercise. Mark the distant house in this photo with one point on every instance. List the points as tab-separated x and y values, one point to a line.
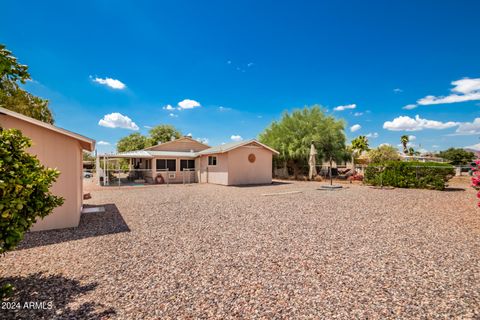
55	148
422	158
236	163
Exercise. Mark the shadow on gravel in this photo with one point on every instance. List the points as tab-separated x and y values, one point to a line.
454	189
91	225
274	183
40	296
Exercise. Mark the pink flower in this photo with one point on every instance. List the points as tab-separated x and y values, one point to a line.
477	161
475	181
478	204
478	194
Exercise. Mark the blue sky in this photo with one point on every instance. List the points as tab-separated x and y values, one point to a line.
246	62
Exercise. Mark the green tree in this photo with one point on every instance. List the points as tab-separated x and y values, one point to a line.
359	145
14	98
405	140
383	153
134	141
413	152
87	156
294	133
24	191
163	133
457	156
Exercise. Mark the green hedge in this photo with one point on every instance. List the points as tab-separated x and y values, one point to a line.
401	174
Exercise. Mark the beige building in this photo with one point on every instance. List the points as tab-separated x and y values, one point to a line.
185	159
55	148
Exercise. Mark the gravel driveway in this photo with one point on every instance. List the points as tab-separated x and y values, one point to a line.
207	251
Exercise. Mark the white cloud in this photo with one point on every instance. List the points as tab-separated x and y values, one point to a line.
148	127
112	83
250	64
463	90
355	127
173	115
345	107
410	106
435	146
358	114
103	143
224	108
189	134
188	104
202	140
397	90
475	147
117	120
467	128
384	144
405	123
236	137
412	137
168	107
372	135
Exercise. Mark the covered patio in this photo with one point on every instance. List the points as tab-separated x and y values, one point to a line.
146	167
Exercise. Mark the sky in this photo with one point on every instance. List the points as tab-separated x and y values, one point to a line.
224	70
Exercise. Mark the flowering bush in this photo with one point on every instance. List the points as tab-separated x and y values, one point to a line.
356	177
476	177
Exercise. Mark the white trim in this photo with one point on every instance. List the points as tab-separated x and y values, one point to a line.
208	161
242	144
45	125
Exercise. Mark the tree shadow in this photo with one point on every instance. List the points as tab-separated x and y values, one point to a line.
454	189
40	296
91	224
274	183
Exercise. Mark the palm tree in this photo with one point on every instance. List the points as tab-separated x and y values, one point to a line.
405	140
360	144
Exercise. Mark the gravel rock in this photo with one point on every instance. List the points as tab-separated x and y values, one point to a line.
208	251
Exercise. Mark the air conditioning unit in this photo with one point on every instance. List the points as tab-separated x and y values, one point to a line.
171	175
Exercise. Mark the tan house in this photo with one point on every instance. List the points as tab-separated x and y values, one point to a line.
55	148
236	163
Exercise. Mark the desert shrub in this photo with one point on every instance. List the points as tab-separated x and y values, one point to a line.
421	175
383	154
24	189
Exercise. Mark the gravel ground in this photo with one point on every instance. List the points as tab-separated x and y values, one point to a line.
207	251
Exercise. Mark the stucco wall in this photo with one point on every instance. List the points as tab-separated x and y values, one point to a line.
214	174
241	171
178	174
55	150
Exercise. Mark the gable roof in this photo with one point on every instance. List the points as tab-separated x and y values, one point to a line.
86	143
149	154
233	145
176	141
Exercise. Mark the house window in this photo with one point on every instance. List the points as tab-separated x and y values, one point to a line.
212	160
187	164
166	165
